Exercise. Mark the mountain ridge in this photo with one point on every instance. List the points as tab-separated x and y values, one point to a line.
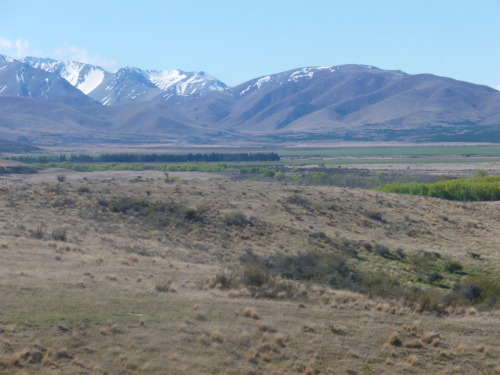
346	102
127	84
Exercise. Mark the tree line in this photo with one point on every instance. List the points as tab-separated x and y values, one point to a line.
213	157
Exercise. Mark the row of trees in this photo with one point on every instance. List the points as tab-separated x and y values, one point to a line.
214	157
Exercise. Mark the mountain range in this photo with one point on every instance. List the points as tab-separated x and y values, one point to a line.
49	102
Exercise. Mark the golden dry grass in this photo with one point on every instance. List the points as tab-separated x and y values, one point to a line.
124	295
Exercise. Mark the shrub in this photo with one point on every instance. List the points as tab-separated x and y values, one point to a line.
83	190
59	234
477	188
255	276
165	287
238	219
430	301
157	213
480	290
224	279
394	339
383	251
38	232
453	267
434	276
377	216
423	264
298	200
196	214
250	312
400	253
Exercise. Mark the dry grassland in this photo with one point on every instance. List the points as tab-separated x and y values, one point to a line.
129	274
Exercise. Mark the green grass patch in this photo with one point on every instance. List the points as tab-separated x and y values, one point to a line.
393	151
95	167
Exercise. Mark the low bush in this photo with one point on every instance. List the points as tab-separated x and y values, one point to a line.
255	276
196	214
478	290
453	266
238	219
334	268
38	232
59	234
224	279
298	200
83	190
374	215
158	213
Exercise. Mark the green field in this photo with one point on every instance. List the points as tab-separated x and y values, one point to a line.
394	151
354	161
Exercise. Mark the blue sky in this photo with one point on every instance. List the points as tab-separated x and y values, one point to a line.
237	40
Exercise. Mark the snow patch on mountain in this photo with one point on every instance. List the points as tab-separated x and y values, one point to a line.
164	79
21	82
257	84
308	73
84	77
129	83
294	76
6	59
184	83
93	79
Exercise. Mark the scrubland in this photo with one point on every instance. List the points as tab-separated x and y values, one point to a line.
138	273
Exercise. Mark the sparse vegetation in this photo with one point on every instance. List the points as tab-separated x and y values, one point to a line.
220	275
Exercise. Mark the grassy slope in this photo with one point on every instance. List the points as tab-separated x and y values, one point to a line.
95	303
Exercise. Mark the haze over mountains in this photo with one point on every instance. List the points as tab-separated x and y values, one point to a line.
47	102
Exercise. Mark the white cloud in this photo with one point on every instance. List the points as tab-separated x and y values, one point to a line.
18	48
498	87
5	43
22	48
70	52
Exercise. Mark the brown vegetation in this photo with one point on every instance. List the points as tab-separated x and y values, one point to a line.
138	276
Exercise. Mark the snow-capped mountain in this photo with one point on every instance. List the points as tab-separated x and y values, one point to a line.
343	99
348	102
302	76
185	83
129	84
20	79
84	77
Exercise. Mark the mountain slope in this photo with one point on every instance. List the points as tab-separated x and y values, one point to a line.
350	96
45	123
354	99
348	102
129	84
19	79
84	77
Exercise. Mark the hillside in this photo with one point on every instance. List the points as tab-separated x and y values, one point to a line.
44	102
138	273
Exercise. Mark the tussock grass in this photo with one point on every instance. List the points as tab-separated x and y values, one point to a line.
250	312
283	259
